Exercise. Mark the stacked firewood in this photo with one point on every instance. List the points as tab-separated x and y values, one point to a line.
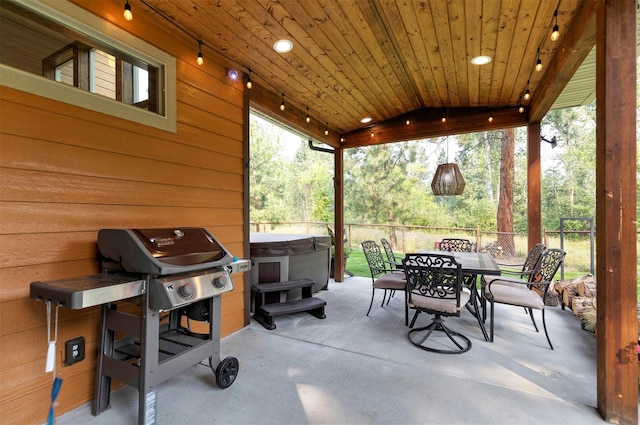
579	295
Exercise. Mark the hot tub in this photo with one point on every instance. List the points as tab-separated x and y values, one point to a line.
278	257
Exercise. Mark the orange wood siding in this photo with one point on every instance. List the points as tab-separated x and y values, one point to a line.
66	172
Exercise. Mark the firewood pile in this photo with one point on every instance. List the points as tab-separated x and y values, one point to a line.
579	295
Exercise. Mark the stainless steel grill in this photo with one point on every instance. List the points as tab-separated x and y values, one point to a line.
170	276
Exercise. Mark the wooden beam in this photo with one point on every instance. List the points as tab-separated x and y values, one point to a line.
617	326
534	197
338	180
575	44
246	216
294	118
427	122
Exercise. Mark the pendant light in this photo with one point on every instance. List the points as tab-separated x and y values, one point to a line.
448	179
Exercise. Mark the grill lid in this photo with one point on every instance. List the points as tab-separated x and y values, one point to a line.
161	251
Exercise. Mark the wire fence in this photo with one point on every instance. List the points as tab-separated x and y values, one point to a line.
579	245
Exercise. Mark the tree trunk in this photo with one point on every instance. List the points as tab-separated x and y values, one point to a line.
505	198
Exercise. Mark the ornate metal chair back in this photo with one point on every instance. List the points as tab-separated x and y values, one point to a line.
532	260
391	257
550	262
433	276
456	245
373	254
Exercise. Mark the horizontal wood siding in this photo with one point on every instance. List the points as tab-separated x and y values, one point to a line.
66	172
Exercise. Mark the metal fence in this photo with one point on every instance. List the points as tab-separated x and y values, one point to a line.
579	245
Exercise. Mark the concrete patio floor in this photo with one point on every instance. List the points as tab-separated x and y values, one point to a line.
354	369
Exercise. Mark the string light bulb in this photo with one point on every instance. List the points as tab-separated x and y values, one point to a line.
249	83
200	59
539	62
490	117
555	34
527	95
308	119
521	109
326	129
128	15
282	104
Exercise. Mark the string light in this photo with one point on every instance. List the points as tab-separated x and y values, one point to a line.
539	62
326	129
282	104
555	34
521	109
308	119
128	15
527	93
249	83
372	134
408	122
490	117
200	59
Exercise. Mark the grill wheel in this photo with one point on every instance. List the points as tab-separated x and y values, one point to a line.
226	372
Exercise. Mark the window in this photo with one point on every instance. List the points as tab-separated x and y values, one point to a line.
59	41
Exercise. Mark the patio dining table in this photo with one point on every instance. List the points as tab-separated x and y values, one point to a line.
472	264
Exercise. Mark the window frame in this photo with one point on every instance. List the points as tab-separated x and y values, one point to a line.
106	34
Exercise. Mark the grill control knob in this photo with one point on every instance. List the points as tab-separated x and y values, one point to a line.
185	291
221	281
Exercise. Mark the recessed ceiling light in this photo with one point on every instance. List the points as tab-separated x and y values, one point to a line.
481	60
283	45
366	120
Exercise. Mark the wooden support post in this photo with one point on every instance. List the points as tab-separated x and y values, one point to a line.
617	326
338	182
533	184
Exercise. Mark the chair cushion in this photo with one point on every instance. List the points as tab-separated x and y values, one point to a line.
446	305
390	281
505	280
517	296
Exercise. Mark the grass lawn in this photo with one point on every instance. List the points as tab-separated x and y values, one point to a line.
357	264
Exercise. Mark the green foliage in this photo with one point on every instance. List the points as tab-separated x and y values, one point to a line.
387	184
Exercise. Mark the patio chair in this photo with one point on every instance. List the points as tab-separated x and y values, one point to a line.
528	267
394	263
456	245
383	277
528	293
435	286
511	277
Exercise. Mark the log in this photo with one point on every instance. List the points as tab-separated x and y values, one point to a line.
568	294
588	318
579	304
586	287
562	287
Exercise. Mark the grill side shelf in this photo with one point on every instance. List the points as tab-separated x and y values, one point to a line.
88	291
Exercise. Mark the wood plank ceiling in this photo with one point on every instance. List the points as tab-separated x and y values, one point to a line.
393	61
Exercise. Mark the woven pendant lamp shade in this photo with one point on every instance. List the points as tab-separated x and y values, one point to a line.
448	180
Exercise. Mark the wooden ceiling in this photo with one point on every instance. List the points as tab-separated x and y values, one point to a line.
394	61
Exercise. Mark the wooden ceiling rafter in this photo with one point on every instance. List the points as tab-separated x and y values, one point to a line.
356	58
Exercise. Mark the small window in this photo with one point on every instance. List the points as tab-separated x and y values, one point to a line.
49	44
